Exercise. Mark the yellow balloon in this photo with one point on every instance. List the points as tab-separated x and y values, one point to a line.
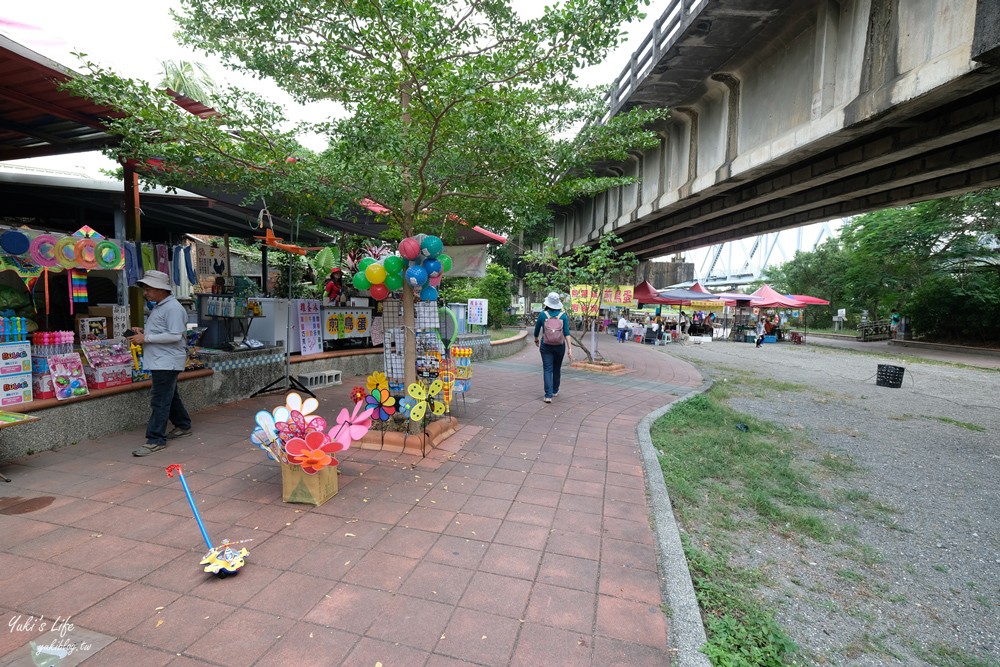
375	273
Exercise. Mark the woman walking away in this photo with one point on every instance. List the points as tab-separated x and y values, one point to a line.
553	324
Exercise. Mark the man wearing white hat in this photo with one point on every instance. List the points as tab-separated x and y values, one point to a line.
164	353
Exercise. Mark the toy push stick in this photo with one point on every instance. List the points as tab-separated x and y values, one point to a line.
222	560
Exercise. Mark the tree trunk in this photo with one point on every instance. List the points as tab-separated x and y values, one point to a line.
409	215
579	344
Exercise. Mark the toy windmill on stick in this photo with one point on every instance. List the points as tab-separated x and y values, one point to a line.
222	560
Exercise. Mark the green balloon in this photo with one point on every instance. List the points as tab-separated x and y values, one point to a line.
394	264
393	281
365	263
360	281
445	262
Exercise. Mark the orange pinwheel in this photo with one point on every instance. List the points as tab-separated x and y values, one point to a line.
313	453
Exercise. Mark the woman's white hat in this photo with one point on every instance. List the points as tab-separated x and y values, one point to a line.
553	302
156	280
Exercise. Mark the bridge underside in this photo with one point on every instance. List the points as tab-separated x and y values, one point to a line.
785	113
932	151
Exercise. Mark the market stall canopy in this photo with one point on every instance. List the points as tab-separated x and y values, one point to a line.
683	297
698	287
38	119
644	292
769	298
810	300
61	202
461	233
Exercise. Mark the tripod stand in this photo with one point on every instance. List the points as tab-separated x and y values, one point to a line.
286	381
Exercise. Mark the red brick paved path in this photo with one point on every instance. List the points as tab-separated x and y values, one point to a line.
524	540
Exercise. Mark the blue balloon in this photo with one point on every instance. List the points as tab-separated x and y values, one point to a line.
431	247
432	267
416	276
429	294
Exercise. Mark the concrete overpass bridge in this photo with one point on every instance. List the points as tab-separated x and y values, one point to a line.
788	112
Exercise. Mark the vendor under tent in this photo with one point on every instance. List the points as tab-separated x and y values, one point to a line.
812	301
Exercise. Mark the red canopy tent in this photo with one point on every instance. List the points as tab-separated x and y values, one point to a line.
697	287
810	300
644	292
769	298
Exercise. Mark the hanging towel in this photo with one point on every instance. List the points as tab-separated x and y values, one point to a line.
175	264
189	265
132	272
148	257
162	262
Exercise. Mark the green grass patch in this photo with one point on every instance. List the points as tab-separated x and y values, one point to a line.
500	334
955	422
842	465
740	631
725	479
945	655
704	456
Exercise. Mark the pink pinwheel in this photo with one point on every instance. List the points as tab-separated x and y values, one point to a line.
298	426
351	427
313	453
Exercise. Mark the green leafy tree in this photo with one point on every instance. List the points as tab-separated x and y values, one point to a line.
935	261
453	109
496	286
597	267
188	79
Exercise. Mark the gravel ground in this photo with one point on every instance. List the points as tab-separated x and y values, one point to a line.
923	511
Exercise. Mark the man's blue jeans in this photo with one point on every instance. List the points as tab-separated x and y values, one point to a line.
165	403
552	358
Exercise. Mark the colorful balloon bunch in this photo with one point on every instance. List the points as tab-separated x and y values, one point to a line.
420	265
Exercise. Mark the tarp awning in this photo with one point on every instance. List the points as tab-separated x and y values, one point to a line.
769	298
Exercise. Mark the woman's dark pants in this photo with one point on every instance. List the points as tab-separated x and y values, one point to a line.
552	358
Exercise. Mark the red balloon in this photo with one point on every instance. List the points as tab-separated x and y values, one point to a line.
409	248
379	291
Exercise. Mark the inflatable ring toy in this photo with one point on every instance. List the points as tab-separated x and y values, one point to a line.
107	254
14	242
66	252
86	253
43	250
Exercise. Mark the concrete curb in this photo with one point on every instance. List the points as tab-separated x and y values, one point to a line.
687	632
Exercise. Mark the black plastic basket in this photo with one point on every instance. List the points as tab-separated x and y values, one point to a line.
889	376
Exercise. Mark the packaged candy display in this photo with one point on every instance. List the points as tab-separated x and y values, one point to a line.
67	375
101	353
109	363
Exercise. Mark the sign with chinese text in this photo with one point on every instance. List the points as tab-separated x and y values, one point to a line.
584	298
478	309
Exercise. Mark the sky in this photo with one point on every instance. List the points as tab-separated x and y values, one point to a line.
133	38
134	42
